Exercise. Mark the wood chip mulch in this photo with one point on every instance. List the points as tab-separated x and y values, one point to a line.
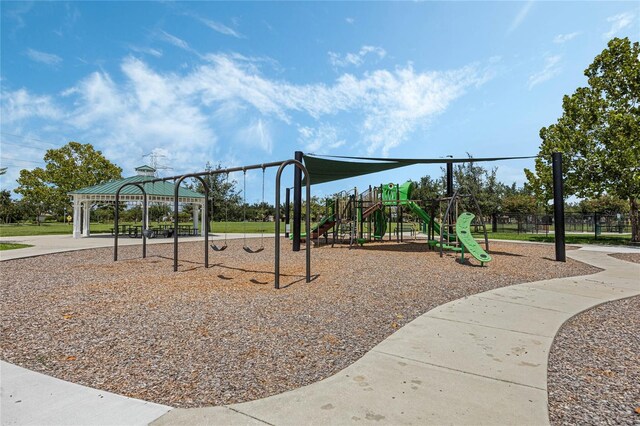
594	367
629	257
222	335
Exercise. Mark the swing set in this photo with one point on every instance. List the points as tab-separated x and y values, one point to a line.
177	180
245	247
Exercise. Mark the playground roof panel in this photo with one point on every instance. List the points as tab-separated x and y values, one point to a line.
322	170
330	168
162	189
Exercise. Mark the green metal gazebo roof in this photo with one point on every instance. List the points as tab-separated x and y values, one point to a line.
161	189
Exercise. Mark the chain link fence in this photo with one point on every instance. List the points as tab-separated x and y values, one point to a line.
592	223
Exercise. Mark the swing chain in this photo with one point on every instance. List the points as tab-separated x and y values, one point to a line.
226	221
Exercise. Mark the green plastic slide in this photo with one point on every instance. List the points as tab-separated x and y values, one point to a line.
379	224
424	216
463	230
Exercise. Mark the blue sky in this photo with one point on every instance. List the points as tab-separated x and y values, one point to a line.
243	83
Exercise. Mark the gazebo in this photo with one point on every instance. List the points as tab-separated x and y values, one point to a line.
159	192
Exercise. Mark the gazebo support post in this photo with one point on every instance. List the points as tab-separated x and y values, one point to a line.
86	219
77	230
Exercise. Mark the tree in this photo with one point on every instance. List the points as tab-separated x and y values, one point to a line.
7	207
598	133
68	168
483	184
37	195
605	204
428	189
224	199
520	203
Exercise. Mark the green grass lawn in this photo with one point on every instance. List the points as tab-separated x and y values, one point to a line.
53	228
12	246
18	230
21	230
608	239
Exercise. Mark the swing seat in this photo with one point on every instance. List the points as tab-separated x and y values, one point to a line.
216	248
252	251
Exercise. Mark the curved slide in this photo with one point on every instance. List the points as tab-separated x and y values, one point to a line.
463	231
379	224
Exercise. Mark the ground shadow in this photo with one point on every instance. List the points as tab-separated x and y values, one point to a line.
504	253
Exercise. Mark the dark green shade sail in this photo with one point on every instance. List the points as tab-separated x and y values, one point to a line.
330	168
322	170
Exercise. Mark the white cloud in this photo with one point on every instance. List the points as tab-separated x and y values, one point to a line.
20	105
519	18
322	139
618	22
256	134
17	13
563	38
177	42
44	58
146	50
551	69
350	21
355	59
144	109
147	111
389	104
221	28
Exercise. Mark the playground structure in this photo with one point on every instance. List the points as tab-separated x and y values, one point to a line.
348	213
329	168
358	218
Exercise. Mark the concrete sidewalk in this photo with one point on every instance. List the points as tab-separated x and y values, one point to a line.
477	360
30	398
47	244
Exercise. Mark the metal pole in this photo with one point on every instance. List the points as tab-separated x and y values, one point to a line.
297	203
117	216
176	185
176	193
398	222
303	169
214	172
287	208
558	207
144	224
116	227
206	226
450	192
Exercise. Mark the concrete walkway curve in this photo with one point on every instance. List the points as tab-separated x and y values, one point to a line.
477	360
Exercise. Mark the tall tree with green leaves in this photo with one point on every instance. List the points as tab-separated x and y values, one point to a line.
68	168
428	189
483	184
224	198
598	133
